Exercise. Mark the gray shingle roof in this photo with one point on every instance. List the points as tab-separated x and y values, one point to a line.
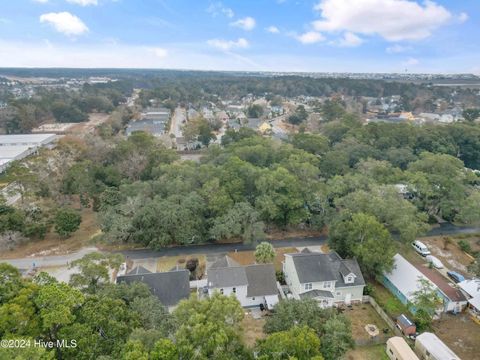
261	280
317	293
317	267
170	287
138	270
225	261
227	277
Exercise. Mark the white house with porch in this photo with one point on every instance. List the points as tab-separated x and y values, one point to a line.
327	278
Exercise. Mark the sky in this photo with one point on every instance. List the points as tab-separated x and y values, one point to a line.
425	36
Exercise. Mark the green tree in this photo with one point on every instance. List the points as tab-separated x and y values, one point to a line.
426	301
241	221
164	349
337	338
264	253
281	198
67	221
304	312
362	236
300	343
209	328
255	111
56	304
94	269
471	114
299	116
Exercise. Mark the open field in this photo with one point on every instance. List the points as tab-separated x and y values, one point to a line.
460	333
452	257
361	315
248	257
54	244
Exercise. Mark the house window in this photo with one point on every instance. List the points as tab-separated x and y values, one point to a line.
349	279
308	286
253	298
221	291
234	290
326	284
339	293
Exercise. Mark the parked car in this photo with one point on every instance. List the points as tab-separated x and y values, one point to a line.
434	261
455	276
420	248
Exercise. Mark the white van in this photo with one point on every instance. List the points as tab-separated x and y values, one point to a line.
420	248
434	261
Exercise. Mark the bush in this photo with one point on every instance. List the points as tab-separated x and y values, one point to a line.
368	290
464	245
192	264
280	277
67	221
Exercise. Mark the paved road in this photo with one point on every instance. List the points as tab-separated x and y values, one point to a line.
209	249
179	116
49	261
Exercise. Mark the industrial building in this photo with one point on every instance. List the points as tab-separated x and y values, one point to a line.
17	147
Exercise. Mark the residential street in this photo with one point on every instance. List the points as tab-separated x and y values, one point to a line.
179	116
207	249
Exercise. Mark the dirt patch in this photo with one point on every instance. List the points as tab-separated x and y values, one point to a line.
460	333
277	234
361	315
375	352
54	244
166	263
248	257
453	257
252	329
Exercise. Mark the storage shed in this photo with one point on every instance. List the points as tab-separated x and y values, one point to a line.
406	325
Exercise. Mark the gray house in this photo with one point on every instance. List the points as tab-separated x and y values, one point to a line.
327	278
170	287
252	285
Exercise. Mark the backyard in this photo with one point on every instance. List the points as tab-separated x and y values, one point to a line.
361	315
374	352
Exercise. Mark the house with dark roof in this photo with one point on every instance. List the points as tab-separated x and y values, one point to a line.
170	287
252	285
327	278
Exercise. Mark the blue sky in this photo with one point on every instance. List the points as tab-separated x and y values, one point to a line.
270	35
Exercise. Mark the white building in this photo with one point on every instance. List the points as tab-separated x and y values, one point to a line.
472	290
327	278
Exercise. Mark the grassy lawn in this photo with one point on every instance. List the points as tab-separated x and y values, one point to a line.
392	306
361	315
248	257
375	352
165	263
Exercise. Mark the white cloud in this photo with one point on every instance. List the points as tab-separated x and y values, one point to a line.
394	20
227	45
247	23
462	17
396	49
310	37
160	52
41	1
350	40
83	2
65	23
217	8
411	62
273	29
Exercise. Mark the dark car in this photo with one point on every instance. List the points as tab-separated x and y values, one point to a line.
455	276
